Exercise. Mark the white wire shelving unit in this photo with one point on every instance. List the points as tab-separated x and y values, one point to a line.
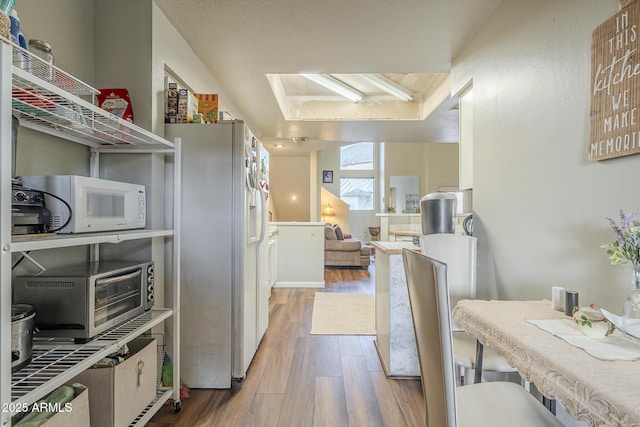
49	100
56	362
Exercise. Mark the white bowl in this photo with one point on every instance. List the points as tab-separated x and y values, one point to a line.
596	330
592	322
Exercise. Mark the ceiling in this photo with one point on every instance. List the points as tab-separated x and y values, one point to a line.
242	42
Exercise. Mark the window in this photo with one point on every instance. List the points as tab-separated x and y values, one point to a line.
357	157
357	192
357	175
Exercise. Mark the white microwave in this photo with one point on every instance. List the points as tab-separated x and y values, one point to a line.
79	204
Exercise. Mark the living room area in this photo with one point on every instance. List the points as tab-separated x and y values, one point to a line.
349	186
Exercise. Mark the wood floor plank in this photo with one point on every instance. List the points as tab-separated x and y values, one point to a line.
410	400
389	410
394	397
210	414
275	375
328	363
279	321
328	343
230	405
362	404
300	392
264	411
307	314
191	406
370	353
330	409
350	345
297	304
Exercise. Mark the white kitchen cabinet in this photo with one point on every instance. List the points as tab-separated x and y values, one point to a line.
62	106
273	256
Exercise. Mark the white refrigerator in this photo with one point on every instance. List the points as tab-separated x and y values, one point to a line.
224	268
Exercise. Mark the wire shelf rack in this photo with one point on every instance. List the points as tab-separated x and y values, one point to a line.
54	363
50	100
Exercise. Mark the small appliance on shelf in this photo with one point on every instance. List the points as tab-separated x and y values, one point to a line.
80	204
81	301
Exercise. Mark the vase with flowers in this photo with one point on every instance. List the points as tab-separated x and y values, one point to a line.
625	250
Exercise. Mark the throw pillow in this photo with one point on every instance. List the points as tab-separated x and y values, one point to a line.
330	233
338	231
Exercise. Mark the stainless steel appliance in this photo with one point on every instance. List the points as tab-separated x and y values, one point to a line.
21	335
84	300
467	225
81	204
224	253
438	213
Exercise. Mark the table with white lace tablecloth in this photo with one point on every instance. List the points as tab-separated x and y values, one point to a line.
602	392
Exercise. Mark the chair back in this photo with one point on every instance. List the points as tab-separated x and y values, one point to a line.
459	253
431	312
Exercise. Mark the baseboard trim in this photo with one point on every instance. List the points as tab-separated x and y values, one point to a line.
299	284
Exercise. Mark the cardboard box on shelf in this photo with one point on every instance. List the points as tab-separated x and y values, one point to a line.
52	412
118	394
225	115
172	104
208	106
77	414
117	102
187	106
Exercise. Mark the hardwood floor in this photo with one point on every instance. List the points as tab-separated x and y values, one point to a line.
298	380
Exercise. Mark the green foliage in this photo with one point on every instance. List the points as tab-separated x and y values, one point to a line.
626	248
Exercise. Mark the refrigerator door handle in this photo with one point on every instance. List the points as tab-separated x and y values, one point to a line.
263	217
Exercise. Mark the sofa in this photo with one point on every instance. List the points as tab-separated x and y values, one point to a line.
342	250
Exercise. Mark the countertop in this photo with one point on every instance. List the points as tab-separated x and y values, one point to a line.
390	248
404	233
297	224
397	214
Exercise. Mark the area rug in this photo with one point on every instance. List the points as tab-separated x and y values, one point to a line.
343	314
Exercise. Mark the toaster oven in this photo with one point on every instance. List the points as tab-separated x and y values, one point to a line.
85	300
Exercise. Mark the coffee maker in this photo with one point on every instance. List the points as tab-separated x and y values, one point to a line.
29	214
438	213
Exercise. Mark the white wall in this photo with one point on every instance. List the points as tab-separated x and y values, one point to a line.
441	163
289	187
539	203
67	25
403	159
340	209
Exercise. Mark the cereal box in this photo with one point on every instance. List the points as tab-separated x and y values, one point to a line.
172	104
208	106
225	115
187	106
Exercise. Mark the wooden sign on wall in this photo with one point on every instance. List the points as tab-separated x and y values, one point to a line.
615	86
